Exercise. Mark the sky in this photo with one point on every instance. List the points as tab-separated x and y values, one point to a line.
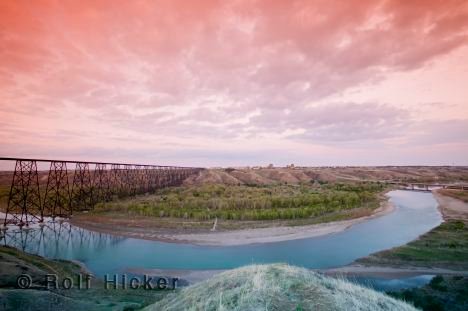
234	83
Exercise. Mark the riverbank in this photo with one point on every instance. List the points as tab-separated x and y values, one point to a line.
358	270
452	205
14	263
445	246
233	237
441	250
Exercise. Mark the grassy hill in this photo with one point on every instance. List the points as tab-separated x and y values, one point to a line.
276	287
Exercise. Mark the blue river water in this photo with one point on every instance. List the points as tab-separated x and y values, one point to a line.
415	214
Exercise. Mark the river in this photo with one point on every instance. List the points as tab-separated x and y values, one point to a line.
415	214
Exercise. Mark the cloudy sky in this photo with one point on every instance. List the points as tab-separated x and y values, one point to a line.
214	83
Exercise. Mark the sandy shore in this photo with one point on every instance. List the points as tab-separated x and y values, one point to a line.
451	208
238	237
275	234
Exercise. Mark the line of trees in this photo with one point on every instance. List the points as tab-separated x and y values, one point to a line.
251	202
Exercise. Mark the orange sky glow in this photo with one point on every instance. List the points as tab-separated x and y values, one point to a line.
220	83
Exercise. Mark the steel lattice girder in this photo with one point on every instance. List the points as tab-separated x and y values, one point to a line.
57	194
31	199
24	199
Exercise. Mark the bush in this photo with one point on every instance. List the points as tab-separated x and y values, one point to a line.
251	202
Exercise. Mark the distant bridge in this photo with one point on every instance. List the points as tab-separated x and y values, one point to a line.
418	186
61	190
414	186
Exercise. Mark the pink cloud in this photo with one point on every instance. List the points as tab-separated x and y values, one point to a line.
200	73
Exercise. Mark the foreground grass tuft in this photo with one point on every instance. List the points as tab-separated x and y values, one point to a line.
276	287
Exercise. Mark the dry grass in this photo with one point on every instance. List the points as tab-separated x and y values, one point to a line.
276	287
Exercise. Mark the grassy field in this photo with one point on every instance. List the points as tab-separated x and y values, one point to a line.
256	202
445	246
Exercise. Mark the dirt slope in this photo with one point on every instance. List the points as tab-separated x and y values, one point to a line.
264	176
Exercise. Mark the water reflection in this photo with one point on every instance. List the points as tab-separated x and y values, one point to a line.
386	284
54	239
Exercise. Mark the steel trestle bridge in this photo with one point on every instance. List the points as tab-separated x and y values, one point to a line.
69	186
